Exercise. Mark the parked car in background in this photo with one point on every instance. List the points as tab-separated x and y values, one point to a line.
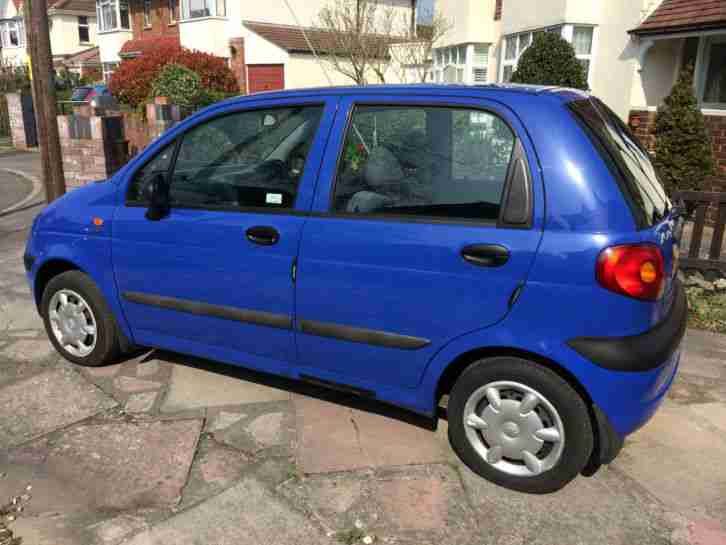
506	251
96	95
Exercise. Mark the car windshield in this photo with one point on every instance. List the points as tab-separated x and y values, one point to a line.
622	151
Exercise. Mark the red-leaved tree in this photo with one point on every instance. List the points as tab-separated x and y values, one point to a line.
131	82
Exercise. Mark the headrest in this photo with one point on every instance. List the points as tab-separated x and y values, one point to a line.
382	168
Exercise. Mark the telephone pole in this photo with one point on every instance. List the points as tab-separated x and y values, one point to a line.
44	99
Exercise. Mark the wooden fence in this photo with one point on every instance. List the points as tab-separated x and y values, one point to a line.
705	248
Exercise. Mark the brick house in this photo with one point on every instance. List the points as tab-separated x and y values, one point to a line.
72	29
676	34
264	45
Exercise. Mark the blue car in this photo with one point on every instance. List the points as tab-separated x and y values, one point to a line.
503	255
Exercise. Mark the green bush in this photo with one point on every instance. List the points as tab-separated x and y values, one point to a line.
550	60
180	84
683	152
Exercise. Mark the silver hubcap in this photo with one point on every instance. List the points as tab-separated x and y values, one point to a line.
73	323
514	428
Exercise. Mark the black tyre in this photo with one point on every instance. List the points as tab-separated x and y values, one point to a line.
78	321
519	424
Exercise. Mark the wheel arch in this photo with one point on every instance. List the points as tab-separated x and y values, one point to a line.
49	270
606	444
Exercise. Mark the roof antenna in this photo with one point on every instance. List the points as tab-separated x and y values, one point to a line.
310	45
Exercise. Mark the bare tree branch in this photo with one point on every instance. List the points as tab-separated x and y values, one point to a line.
412	60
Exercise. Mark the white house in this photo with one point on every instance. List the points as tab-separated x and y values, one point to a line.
72	29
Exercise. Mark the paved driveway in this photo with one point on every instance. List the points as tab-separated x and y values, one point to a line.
167	449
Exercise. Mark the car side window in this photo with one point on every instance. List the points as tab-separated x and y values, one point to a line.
246	159
158	165
436	162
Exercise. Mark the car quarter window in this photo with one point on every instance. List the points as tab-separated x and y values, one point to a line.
436	162
250	159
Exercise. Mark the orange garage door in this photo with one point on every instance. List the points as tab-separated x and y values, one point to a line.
266	77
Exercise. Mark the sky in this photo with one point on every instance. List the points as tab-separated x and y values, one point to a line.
425	7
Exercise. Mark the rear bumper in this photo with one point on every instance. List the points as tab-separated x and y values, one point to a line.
638	353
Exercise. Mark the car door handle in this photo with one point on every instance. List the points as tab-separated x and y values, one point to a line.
262	235
485	255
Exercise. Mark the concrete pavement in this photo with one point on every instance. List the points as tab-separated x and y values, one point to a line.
168	449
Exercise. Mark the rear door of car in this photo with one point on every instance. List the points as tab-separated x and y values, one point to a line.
426	219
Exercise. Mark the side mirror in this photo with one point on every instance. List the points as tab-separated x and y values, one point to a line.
156	192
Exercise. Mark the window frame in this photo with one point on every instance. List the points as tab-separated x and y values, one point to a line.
566	32
177	139
85	25
703	60
214	13
147	13
12	26
173	5
115	6
435	220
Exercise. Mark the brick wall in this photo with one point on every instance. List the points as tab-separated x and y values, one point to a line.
92	145
17	121
237	62
642	122
161	21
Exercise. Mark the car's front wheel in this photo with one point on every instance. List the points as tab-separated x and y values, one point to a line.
519	425
78	321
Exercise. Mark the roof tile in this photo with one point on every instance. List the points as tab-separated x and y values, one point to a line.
682	15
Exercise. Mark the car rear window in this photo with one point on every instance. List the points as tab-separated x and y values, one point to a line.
627	158
80	94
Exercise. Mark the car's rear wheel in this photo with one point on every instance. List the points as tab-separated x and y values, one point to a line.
78	321
519	425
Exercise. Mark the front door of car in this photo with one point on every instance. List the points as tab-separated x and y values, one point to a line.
214	275
423	231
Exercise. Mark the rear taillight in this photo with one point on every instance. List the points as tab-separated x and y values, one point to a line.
635	270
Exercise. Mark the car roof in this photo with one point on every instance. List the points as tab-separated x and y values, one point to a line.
451	90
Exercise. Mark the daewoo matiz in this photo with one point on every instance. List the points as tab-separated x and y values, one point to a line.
506	251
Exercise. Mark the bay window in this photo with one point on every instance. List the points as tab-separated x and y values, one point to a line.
580	37
194	9
12	33
112	15
464	63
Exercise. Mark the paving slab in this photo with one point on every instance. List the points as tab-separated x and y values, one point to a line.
191	388
46	402
245	513
140	403
262	426
336	438
684	473
25	350
110	465
608	509
416	504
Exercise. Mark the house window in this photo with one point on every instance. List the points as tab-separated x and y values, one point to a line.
193	9
173	11
580	37
108	69
112	15
582	44
12	33
450	64
84	35
713	73
480	68
147	13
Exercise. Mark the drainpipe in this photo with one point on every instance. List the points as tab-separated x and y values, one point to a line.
413	18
